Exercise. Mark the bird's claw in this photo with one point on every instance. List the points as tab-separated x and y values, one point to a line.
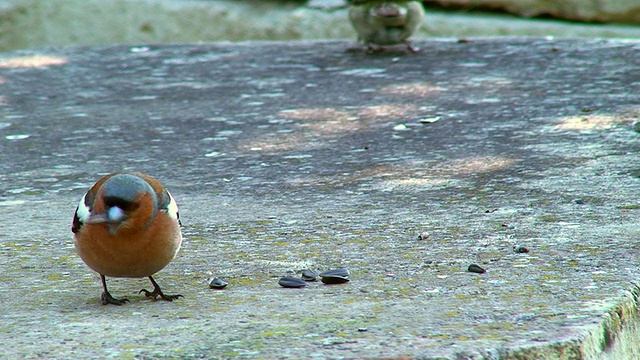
156	292
108	299
411	47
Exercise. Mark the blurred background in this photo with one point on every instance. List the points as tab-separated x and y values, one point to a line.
38	23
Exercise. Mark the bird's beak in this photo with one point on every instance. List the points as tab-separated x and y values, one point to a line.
98	219
112	218
112	224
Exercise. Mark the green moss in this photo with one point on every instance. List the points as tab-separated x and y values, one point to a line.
248	281
264	222
16	247
550	277
549	218
55	277
629	207
271	333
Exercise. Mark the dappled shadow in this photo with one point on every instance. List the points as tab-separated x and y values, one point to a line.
467	111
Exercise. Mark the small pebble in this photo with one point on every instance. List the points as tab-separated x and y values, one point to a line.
309	275
423	235
520	249
218	283
476	269
291	282
336	276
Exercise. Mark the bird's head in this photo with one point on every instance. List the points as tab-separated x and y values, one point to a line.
389	12
124	202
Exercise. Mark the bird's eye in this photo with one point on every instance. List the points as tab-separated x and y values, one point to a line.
120	203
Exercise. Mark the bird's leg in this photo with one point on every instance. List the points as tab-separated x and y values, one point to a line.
372	49
157	292
106	296
411	47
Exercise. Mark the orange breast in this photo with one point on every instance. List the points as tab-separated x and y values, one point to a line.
134	254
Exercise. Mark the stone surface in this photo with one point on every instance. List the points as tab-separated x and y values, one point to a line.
36	23
622	11
312	155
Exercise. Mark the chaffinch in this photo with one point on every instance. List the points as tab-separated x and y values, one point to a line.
127	225
386	22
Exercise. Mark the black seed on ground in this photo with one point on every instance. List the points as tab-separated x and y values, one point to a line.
291	282
218	284
476	269
330	280
342	272
309	275
335	276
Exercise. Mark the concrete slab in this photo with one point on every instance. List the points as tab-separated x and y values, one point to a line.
292	155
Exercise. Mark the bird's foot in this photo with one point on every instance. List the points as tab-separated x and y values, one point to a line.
157	292
108	299
372	49
412	47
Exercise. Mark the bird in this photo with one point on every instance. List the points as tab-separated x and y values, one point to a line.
127	225
386	22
